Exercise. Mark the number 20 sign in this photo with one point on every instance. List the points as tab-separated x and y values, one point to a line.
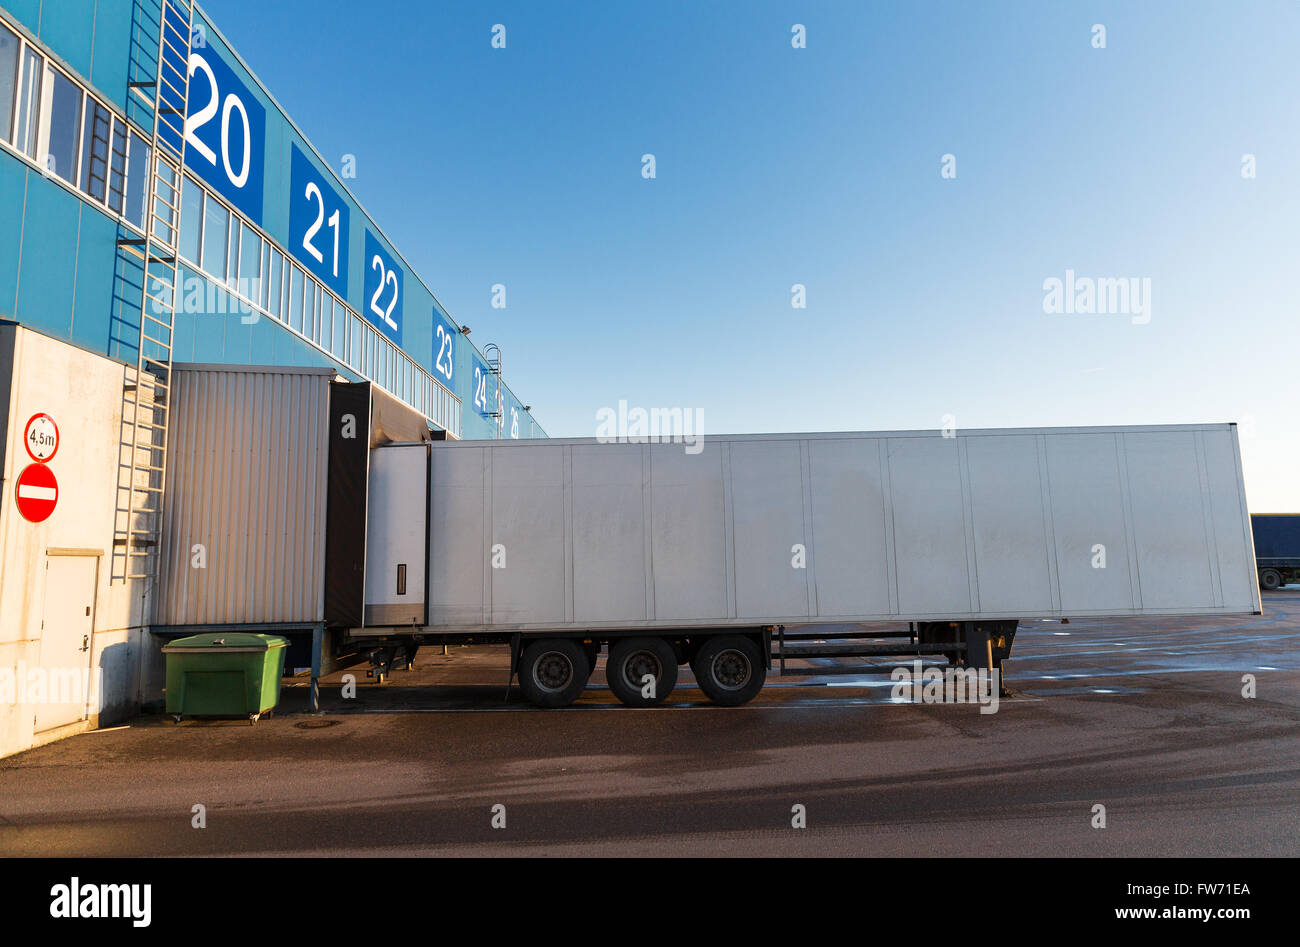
382	299
318	224
225	132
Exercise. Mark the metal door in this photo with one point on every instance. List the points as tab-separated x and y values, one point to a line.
66	631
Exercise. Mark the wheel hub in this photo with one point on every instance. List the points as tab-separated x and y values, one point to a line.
552	671
638	665
731	669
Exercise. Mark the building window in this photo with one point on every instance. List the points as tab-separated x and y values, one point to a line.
60	125
8	79
216	225
286	281
29	104
324	317
295	300
191	219
340	324
355	340
264	267
95	130
250	262
308	304
273	293
117	167
310	308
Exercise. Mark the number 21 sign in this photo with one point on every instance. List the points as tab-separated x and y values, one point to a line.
318	224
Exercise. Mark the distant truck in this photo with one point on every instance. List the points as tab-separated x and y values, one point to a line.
1277	548
327	507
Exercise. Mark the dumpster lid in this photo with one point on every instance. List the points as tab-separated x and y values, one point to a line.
226	642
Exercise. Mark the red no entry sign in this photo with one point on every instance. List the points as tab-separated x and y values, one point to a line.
36	492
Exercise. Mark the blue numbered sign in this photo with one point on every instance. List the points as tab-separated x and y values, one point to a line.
225	132
382	301
446	341
484	390
318	224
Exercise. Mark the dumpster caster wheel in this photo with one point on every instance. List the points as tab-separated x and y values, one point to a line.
252	719
176	718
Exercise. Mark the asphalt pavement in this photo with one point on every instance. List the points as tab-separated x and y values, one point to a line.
1146	718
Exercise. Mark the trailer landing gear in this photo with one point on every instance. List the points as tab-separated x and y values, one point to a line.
382	660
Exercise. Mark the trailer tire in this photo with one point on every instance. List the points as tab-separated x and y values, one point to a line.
730	670
1270	580
553	672
630	659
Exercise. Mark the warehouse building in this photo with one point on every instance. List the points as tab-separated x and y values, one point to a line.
158	208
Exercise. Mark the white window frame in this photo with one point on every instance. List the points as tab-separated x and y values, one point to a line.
18	84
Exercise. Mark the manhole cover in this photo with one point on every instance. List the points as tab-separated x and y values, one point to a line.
314	724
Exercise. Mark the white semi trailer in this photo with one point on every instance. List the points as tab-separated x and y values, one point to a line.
704	556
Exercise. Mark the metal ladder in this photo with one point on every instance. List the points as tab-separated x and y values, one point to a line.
146	405
492	353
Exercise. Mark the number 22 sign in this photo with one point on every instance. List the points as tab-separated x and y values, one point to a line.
382	300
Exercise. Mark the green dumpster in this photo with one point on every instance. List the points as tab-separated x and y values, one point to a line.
227	674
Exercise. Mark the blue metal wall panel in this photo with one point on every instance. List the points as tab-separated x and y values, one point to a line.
128	289
210	337
239	339
93	304
111	62
49	258
26	12
13	194
67	27
263	337
185	328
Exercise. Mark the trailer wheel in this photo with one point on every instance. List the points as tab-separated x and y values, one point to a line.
553	672
631	659
729	669
1270	580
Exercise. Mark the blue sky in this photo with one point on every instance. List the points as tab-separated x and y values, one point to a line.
821	166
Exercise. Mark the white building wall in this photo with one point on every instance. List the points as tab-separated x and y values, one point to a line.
83	392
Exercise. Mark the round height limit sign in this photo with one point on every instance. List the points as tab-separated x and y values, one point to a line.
36	491
41	438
